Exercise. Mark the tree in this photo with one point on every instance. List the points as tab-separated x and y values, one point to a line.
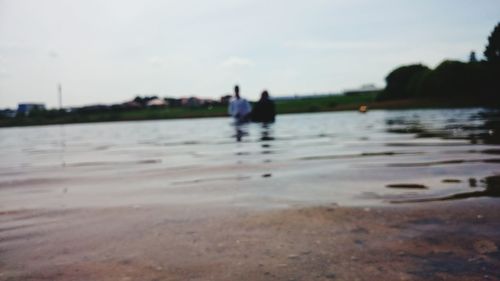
492	51
403	82
452	79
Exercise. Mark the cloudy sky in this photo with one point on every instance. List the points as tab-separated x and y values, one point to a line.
106	51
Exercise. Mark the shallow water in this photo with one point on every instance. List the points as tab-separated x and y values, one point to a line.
349	158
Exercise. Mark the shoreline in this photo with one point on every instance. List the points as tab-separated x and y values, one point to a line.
432	241
406	104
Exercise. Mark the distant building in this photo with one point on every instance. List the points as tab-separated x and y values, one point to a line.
225	99
131	105
8	113
26	108
191	102
209	102
362	90
157	103
173	102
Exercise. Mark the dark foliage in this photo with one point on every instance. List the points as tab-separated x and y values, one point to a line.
144	100
403	82
451	79
458	79
492	51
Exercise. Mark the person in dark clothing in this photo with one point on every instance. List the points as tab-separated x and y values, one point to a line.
264	110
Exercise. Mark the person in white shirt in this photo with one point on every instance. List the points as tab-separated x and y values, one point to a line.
239	108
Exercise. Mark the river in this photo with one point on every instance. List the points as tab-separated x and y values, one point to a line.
347	158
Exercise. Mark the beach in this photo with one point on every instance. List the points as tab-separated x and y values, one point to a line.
403	195
434	242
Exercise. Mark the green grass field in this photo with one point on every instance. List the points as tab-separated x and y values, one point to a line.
329	103
299	105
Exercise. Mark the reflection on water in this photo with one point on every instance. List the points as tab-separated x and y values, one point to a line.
490	187
266	132
343	157
241	131
479	127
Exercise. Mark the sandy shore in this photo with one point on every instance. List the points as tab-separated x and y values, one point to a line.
432	241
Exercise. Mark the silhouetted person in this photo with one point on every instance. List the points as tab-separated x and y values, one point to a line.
239	107
264	110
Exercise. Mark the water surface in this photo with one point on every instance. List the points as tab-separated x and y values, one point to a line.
381	157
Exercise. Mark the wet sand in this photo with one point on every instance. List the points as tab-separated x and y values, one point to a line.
432	241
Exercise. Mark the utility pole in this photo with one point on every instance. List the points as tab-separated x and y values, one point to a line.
59	88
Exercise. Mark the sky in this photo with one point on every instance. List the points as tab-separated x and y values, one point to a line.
109	51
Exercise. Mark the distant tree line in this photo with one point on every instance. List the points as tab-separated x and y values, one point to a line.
137	104
451	79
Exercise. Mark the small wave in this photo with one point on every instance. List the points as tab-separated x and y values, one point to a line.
446	162
29	182
112	163
239	178
417	144
407	186
360	155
